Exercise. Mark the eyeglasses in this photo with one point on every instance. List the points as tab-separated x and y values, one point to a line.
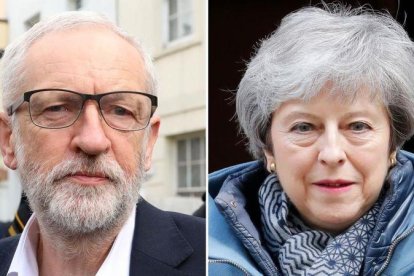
60	108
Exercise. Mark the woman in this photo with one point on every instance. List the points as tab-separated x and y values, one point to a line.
326	104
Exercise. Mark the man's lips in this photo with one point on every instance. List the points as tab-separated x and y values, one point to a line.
86	178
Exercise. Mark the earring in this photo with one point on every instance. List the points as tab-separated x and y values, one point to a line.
272	167
393	159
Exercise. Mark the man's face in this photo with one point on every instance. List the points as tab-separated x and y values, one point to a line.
84	174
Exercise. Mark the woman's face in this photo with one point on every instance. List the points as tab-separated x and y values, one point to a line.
331	157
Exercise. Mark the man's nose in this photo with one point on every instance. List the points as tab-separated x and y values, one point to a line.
331	148
90	136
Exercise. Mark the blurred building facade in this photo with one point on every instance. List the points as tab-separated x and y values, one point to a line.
4	32
5	188
174	33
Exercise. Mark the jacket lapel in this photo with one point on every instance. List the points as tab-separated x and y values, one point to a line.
158	246
7	249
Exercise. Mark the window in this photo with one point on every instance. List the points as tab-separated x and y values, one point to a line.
75	5
179	19
3	35
32	20
191	163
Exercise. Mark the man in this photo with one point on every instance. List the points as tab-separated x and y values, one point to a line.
79	128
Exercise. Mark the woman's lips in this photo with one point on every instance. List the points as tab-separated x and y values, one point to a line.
334	185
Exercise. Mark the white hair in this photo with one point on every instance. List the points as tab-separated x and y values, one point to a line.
336	46
13	61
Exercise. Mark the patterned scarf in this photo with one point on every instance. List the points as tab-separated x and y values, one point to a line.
299	250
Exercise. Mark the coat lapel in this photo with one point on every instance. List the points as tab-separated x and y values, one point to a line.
158	246
7	249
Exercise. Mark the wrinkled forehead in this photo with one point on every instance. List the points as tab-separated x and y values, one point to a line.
336	92
334	103
82	50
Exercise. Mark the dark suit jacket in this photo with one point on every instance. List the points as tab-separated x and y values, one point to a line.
164	243
3	228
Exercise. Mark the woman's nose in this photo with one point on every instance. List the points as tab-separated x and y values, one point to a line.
331	151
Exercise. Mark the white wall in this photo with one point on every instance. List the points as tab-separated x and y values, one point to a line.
181	68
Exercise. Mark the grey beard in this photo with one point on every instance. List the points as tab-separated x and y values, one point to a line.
68	209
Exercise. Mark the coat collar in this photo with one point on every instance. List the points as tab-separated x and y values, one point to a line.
158	246
395	219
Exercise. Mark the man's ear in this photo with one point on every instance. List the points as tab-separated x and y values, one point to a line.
151	139
6	142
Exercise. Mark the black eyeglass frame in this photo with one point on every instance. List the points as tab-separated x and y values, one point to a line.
95	97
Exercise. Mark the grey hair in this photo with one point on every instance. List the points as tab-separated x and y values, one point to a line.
336	46
13	61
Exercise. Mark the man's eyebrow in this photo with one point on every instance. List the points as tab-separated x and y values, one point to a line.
117	96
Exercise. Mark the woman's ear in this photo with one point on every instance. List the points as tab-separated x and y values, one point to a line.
6	142
270	161
393	159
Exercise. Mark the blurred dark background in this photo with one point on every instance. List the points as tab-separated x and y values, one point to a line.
235	27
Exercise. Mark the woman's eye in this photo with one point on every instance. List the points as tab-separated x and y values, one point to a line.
302	127
359	126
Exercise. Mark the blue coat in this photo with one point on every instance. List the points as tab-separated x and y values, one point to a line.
235	240
164	243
